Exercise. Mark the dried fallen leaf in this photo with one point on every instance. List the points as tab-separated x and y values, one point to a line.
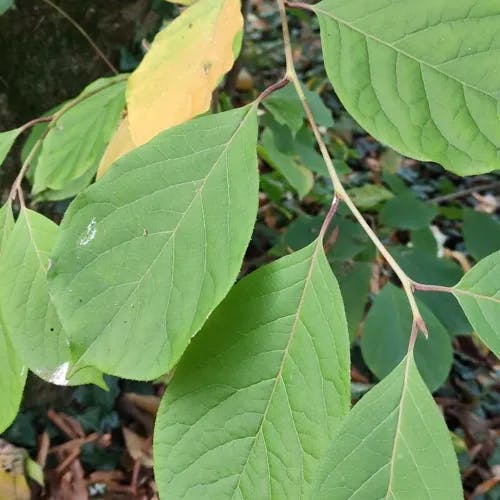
139	448
146	403
120	144
13	484
175	80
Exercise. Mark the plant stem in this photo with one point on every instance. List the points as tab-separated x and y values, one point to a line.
36	121
432	288
291	74
329	216
87	37
272	88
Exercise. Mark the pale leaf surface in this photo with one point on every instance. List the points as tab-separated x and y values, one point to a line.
119	145
12	371
421	77
75	144
479	295
394	444
29	316
146	253
6	140
261	390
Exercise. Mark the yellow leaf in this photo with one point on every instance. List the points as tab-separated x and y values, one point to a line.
120	144
13	484
176	78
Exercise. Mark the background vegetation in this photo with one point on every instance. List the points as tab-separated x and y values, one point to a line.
91	442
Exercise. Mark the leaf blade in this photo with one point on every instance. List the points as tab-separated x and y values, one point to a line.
74	145
286	371
478	292
204	35
393	443
29	316
181	208
415	85
13	373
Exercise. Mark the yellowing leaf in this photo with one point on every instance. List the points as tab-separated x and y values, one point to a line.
120	144
175	80
13	484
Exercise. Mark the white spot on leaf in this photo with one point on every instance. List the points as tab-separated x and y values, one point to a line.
56	376
90	234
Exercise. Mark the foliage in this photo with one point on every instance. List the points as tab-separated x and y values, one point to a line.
138	281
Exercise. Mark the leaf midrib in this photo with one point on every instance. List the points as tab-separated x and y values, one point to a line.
474	295
279	374
401	51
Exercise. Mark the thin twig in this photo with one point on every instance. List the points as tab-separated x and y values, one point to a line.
464	192
272	88
87	37
291	74
299	5
329	216
36	121
413	336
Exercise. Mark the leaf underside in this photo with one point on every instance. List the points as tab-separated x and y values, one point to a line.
427	85
394	444
479	295
146	253
29	315
12	371
261	390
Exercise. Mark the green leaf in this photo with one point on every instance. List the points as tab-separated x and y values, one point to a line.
260	392
286	108
146	253
426	85
481	234
394	444
5	5
36	133
12	371
369	196
479	295
300	178
426	268
425	240
407	212
354	281
77	140
351	239
386	333
30	318
6	141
